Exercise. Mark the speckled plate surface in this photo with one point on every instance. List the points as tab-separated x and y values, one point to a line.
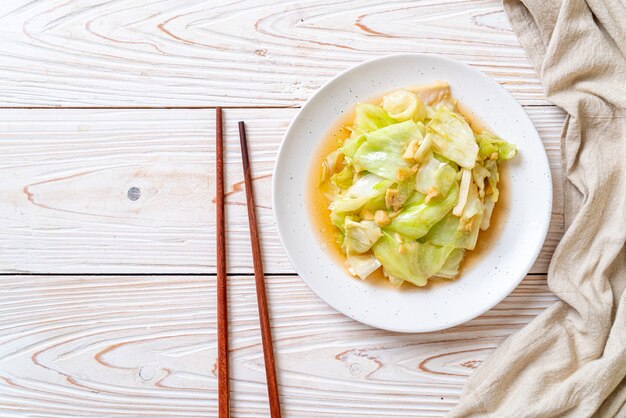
481	285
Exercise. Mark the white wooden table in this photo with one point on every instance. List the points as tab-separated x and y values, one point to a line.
107	304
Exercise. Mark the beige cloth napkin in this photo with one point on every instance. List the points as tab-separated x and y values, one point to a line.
571	360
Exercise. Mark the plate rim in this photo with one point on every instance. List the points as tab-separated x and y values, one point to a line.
464	318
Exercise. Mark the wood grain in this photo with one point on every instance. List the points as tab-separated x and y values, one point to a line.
146	346
130	191
66	176
234	53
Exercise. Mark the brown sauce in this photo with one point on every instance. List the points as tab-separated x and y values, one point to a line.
320	214
317	203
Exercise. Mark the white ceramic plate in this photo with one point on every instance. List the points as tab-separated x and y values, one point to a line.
492	277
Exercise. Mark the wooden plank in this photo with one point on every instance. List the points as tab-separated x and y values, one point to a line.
128	346
65	178
236	53
264	145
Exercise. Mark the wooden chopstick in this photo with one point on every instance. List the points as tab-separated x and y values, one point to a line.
222	297
259	278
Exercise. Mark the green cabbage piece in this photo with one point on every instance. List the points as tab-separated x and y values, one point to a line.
395	281
331	164
416	220
362	265
471	219
400	194
360	236
338	219
474	205
344	178
466	181
351	146
479	174
447	161
473	232
381	153
450	268
415	263
415	199
486	222
434	175
494	179
406	188
404	105
424	148
377	203
370	117
453	138
489	143
432	258
403	265
449	232
365	189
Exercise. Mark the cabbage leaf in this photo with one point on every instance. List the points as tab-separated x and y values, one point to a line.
365	189
370	117
434	175
402	265
360	236
404	105
453	137
416	220
362	265
488	144
381	153
450	268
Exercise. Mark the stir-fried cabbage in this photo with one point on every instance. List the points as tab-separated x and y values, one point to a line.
415	221
450	268
362	265
490	145
366	189
370	117
412	186
400	258
434	177
381	153
404	105
360	236
453	137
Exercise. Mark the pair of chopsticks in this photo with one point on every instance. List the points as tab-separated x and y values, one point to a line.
259	278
